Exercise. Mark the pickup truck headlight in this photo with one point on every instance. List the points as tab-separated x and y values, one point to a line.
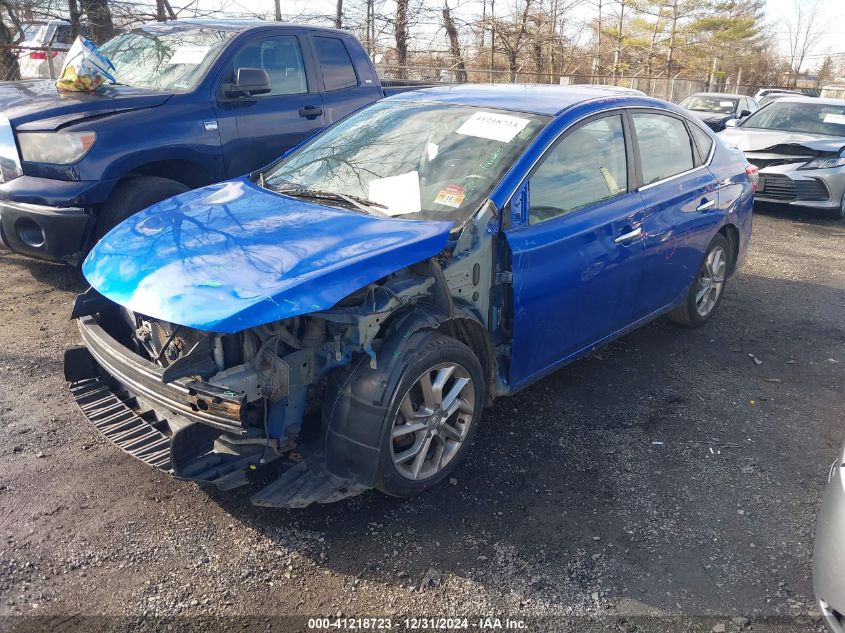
58	148
825	163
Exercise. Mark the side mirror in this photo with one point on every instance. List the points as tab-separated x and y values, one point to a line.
248	82
744	114
732	123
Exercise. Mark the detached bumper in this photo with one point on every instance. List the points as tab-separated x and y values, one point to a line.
52	233
822	189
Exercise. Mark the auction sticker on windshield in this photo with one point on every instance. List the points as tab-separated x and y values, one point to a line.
451	196
493	126
835	118
192	55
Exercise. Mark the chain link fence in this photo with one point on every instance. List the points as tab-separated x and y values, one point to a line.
673	89
30	62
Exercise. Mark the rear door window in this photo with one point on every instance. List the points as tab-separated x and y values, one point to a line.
665	146
338	71
703	144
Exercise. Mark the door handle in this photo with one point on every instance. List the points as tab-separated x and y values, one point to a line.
310	112
707	204
628	236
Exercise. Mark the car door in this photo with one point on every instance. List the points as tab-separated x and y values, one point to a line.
256	130
575	262
682	209
343	89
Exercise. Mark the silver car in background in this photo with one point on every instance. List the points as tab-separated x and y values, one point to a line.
829	551
798	144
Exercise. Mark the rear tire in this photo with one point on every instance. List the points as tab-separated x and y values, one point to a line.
132	196
707	288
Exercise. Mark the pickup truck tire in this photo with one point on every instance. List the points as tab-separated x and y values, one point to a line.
133	195
708	287
427	430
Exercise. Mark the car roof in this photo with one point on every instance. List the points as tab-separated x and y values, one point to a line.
228	24
805	98
535	98
728	95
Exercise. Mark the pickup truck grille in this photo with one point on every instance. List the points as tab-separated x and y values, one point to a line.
10	162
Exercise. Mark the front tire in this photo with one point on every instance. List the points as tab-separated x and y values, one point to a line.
706	290
433	416
134	195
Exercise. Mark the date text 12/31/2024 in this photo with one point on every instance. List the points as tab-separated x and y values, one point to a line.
416	624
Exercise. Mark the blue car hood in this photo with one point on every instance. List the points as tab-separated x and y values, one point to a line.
232	256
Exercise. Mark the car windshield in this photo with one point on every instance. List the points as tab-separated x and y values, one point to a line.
34	32
414	159
164	60
716	104
808	117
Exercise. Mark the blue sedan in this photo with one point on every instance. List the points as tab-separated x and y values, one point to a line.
338	320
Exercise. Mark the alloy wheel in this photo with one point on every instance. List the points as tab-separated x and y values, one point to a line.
711	280
433	421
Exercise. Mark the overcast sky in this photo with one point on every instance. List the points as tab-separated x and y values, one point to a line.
830	42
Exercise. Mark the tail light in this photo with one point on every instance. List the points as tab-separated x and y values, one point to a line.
753	175
42	54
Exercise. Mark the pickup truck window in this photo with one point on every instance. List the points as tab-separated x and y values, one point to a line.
281	57
419	160
338	71
168	60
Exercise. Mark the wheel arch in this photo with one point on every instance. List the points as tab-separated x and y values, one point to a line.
731	233
358	393
187	172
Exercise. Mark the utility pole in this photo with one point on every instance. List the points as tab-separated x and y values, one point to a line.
712	83
278	10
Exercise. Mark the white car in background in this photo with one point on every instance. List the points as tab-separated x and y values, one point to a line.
33	59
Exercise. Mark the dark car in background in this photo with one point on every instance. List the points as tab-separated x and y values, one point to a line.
798	144
716	109
197	101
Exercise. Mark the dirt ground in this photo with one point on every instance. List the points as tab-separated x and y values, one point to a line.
668	482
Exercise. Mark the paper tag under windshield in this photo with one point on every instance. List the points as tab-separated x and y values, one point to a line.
192	55
835	118
493	126
451	196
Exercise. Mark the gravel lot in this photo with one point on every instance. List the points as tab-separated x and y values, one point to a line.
668	482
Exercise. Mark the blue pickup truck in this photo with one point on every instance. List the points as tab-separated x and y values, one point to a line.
197	102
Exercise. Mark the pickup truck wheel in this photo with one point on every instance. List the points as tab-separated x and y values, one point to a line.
707	289
134	195
434	413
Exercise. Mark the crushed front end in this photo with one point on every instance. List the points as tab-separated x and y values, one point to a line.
218	409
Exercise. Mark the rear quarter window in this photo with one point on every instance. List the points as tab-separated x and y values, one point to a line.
338	71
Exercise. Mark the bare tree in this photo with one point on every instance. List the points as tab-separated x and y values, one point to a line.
9	23
100	18
454	43
511	37
400	33
803	30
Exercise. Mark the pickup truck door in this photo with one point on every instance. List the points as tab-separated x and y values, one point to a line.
575	262
256	130
348	79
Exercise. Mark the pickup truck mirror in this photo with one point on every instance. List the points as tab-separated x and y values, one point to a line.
744	114
248	82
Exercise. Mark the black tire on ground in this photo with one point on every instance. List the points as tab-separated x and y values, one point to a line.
436	351
687	313
133	195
